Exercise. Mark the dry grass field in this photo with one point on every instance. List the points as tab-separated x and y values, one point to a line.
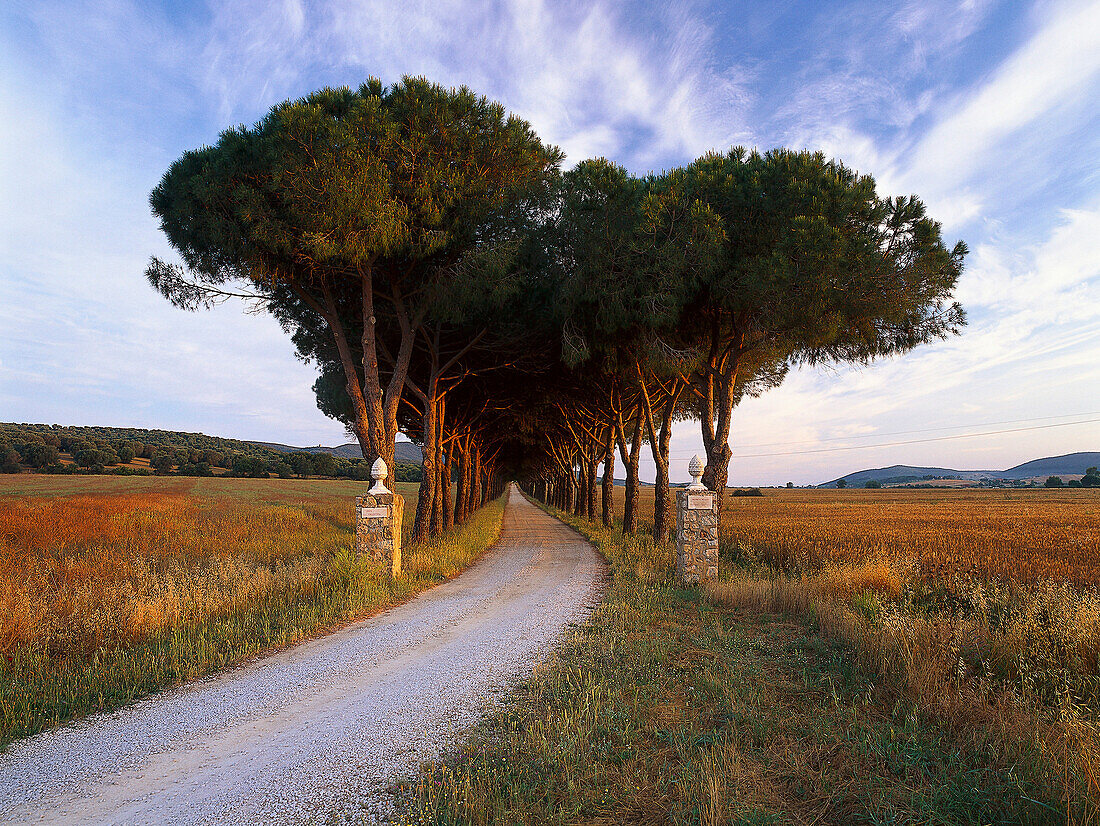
988	589
983	606
869	656
114	586
1022	536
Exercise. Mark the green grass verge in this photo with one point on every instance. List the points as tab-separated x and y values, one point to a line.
38	690
665	708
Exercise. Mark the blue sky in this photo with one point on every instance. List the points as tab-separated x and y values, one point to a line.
987	110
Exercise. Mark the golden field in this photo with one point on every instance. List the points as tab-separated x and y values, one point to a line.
989	589
1023	536
89	561
864	657
981	607
114	586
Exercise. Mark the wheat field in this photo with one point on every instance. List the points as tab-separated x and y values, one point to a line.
993	589
1022	536
86	562
982	607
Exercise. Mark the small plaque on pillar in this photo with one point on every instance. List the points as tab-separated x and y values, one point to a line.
373	513
698	503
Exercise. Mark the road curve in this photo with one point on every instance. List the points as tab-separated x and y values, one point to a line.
318	731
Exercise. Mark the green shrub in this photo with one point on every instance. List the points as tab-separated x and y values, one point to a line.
251	466
406	473
9	460
39	454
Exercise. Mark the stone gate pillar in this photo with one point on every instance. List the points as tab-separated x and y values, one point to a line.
378	521
696	528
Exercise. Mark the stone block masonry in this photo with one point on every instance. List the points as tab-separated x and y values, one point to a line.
696	535
696	529
378	528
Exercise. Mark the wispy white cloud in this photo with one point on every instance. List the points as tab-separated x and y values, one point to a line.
579	72
991	139
1000	145
871	65
1060	61
85	339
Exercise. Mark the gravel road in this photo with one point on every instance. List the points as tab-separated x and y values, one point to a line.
318	731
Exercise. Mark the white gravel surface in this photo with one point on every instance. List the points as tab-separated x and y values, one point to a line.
319	731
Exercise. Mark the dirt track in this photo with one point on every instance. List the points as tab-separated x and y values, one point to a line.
317	732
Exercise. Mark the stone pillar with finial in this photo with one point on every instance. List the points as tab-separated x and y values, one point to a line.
696	528
378	521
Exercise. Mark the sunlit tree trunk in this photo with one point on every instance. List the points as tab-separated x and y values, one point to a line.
448	501
631	460
440	471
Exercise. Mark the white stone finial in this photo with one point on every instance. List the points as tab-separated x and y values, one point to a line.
695	470
378	472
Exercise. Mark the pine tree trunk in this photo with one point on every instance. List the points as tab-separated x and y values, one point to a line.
608	484
718	415
660	504
425	499
630	511
440	472
580	478
475	477
661	445
468	481
459	454
590	487
448	501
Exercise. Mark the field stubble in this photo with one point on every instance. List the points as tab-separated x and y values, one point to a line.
111	588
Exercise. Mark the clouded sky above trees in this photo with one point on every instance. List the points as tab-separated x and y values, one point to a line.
986	110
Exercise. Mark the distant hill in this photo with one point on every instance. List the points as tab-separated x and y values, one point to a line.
1072	464
407	453
896	474
14	432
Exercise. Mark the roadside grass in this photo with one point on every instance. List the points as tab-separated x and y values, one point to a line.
670	706
112	588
